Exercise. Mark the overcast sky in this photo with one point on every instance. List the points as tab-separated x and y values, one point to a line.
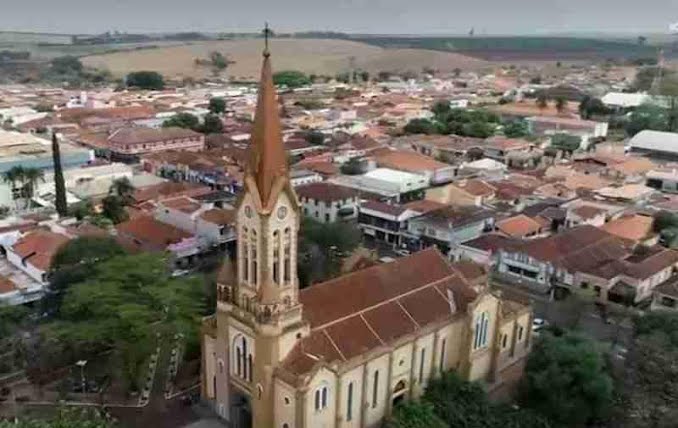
367	16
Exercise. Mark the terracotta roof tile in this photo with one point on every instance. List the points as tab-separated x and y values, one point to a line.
183	204
390	321
519	226
6	285
39	247
352	336
634	228
325	192
219	216
146	233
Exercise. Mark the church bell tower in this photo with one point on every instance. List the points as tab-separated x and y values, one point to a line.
259	313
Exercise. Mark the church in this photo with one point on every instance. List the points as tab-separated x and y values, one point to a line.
344	352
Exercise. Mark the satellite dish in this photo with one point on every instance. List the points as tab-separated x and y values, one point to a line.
673	28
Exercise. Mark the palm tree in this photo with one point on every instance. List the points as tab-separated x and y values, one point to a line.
31	178
12	177
542	101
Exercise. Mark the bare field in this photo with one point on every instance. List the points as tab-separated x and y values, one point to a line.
319	56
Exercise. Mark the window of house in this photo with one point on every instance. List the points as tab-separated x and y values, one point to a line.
287	268
327	218
349	402
584	285
521	330
375	388
504	341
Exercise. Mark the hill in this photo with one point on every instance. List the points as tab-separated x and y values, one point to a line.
319	56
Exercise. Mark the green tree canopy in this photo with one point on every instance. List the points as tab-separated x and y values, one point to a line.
151	80
183	120
315	138
420	126
291	79
647	116
591	106
414	415
121	305
465	404
212	124
566	142
217	105
566	380
516	129
73	417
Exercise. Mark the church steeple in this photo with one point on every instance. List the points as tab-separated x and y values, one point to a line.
268	161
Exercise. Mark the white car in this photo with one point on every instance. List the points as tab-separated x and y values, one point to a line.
538	324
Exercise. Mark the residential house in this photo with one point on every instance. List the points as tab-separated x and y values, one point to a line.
463	192
384	222
300	177
544	263
502	149
585	214
436	172
327	202
588	130
448	227
33	253
522	227
483	250
665	295
638	229
665	180
656	144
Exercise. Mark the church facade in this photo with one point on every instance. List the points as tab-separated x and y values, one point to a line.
342	353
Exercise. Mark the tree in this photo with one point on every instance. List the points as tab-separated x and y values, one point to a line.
478	129
365	76
322	247
73	417
212	124
566	142
122	188
343	77
561	104
542	101
460	403
182	120
441	108
113	208
590	106
456	72
414	415
642	40
135	299
291	79
516	129
420	126
31	177
13	176
150	80
647	116
649	379
566	380
217	105
352	167
59	183
315	138
65	65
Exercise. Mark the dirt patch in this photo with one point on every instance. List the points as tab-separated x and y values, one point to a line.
307	55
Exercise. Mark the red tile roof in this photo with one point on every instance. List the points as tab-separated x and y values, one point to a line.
389	301
325	192
519	226
183	204
146	233
219	216
39	247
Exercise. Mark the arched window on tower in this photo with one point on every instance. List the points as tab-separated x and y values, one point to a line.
276	257
255	260
244	248
287	255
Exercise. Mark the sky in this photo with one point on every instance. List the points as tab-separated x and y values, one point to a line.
361	16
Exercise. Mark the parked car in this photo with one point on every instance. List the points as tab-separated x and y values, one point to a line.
539	324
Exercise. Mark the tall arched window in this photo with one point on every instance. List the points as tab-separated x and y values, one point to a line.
443	349
255	259
242	358
482	326
276	257
422	361
244	248
287	267
349	403
375	388
321	398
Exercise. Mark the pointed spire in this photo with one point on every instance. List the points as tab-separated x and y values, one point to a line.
267	154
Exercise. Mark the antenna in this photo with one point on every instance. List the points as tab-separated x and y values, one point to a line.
267	33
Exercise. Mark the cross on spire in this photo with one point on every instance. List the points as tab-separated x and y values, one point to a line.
267	33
